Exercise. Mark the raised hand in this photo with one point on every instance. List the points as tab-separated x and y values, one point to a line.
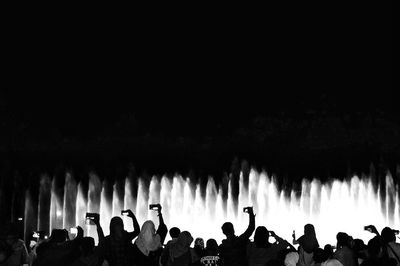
80	231
251	211
96	219
129	213
372	229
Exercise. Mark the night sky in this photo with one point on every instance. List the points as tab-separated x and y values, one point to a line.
175	97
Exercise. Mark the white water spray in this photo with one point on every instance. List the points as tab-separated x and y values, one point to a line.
332	207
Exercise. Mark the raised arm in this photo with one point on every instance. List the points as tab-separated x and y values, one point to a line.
100	248
162	228
278	238
294	241
283	242
76	241
372	229
79	236
252	225
100	232
136	227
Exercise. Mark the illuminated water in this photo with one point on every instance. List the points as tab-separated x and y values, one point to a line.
332	207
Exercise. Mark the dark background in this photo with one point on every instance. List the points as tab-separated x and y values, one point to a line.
301	91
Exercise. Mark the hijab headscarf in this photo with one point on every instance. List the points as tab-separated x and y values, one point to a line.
116	228
181	246
309	240
148	240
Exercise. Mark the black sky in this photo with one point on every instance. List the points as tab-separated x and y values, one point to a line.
176	78
341	52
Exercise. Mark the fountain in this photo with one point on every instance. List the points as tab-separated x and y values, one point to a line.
333	206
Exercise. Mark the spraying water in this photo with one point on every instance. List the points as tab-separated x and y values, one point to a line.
332	207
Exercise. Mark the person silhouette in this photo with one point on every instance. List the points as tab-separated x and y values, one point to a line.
307	244
344	253
261	251
211	254
391	247
233	248
118	244
15	251
147	248
180	251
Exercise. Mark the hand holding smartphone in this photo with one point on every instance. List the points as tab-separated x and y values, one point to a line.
92	218
73	230
128	213
372	229
248	210
155	207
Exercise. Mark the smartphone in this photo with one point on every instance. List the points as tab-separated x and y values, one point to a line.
73	230
90	216
246	209
154	207
124	213
38	234
368	228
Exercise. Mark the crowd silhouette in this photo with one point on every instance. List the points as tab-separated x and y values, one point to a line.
144	246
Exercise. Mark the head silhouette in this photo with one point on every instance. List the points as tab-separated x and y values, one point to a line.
309	240
174	232
309	230
328	250
261	237
388	235
227	229
199	243
359	245
212	245
58	236
148	239
185	239
343	240
148	229
116	227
